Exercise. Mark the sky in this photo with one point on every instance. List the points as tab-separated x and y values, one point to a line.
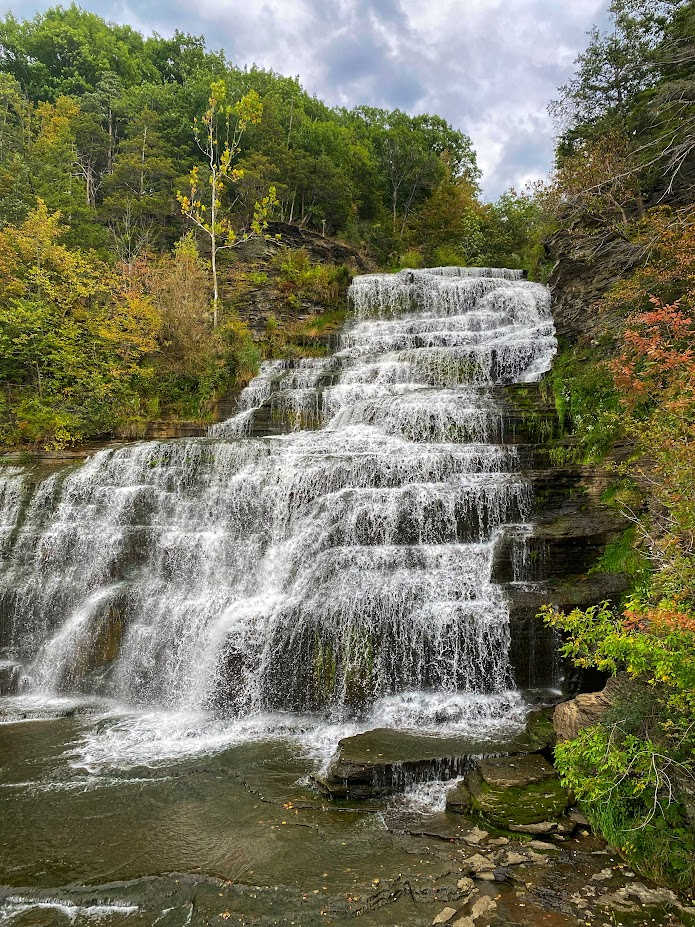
490	67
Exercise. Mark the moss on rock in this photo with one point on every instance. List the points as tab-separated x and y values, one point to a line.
511	791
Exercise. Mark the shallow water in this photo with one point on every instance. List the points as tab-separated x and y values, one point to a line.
236	834
237	830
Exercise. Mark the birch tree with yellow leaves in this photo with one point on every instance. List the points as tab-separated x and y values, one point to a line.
218	133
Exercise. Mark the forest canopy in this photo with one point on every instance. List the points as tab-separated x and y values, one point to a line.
137	162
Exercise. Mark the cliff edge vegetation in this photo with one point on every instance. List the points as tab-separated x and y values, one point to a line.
622	208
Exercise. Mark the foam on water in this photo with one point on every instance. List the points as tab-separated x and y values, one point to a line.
424	798
234	588
15	905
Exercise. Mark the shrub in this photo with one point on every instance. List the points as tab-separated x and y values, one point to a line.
633	771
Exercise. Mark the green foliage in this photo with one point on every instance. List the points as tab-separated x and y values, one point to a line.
662	650
622	555
299	277
86	351
515	228
587	403
450	220
634	770
625	783
409	258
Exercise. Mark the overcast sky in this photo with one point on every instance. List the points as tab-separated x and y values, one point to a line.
488	66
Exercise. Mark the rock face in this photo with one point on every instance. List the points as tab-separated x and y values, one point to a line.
578	280
10	674
548	561
384	760
511	791
584	710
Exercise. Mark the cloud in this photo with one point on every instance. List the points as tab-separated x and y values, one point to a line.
488	66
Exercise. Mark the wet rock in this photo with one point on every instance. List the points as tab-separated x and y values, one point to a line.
475	835
618	901
562	826
459	799
464	922
483	905
385	760
584	710
514	859
465	885
511	791
543	845
651	897
487	875
602	876
537	858
498	841
506	772
540	730
444	916
477	863
10	676
578	818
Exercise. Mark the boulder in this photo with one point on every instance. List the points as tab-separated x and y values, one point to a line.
564	827
511	791
386	760
483	905
465	885
477	863
588	708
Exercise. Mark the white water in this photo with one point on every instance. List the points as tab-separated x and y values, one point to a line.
306	585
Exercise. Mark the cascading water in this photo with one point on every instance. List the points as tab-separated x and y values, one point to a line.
341	574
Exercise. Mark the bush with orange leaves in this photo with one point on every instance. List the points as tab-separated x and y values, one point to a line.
635	771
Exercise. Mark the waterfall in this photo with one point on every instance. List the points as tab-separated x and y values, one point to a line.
342	567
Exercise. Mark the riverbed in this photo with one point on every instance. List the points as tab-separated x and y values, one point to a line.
220	832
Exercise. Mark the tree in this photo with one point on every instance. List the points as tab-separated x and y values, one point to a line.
15	129
72	339
219	140
450	220
412	152
64	175
615	66
137	193
516	227
179	287
66	51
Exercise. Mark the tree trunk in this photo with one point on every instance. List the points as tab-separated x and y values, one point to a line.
213	249
142	163
215	297
89	184
109	159
213	219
